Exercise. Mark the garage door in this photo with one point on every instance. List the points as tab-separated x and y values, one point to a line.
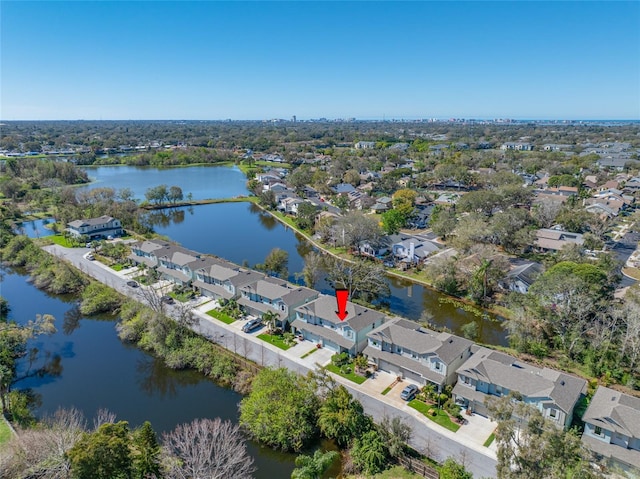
390	368
331	345
412	376
480	408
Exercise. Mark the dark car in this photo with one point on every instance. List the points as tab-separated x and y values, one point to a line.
132	284
409	392
167	299
251	325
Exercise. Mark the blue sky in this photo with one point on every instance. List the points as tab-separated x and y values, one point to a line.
368	60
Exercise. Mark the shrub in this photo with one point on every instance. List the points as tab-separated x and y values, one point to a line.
340	359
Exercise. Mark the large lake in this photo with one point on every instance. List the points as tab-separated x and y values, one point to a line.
201	181
99	371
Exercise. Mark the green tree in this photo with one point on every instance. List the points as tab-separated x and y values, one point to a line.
306	217
281	409
157	194
369	452
146	452
363	279
13	346
313	268
531	447
275	263
443	221
404	201
98	298
175	194
313	467
342	418
103	454
392	221
396	435
270	318
451	469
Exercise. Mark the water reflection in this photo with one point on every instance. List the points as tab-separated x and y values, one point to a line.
155	379
71	320
166	217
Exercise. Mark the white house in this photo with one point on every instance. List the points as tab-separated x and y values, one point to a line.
96	228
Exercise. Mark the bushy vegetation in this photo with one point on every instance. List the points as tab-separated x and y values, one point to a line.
177	345
46	271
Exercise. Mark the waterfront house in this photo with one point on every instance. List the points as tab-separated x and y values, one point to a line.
406	349
174	264
317	321
413	249
143	252
489	373
96	228
275	295
521	277
612	429
220	279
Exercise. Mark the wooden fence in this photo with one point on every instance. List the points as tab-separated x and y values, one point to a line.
419	467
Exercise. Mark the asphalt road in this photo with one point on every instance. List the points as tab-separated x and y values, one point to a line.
623	248
425	439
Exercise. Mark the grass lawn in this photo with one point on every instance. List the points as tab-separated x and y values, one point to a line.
274	339
117	267
351	376
182	297
62	241
387	389
5	432
220	316
489	440
441	416
308	353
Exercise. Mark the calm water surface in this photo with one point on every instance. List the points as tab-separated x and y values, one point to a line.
243	233
97	370
201	181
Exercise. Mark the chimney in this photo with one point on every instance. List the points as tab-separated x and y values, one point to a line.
412	250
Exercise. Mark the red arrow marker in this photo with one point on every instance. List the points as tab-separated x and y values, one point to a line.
342	295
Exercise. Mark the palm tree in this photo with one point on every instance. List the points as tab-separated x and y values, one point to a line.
312	467
270	318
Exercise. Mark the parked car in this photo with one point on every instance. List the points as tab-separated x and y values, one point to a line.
167	299
251	325
91	257
132	284
409	392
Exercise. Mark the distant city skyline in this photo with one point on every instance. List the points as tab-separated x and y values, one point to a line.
216	60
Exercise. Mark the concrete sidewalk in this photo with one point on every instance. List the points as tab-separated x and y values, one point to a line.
467	441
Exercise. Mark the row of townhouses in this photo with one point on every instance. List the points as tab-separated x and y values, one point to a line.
406	349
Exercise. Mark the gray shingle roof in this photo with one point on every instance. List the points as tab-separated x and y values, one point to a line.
614	411
323	332
406	363
325	307
91	221
508	372
408	334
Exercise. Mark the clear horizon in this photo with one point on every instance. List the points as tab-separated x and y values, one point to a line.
372	61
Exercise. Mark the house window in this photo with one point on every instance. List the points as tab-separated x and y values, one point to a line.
437	366
598	431
553	413
499	390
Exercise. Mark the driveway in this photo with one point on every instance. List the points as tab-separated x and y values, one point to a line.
428	437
